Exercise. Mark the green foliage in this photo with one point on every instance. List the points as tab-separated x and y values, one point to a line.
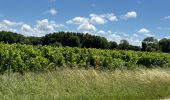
76	40
113	45
124	45
21	58
164	45
73	39
10	37
150	44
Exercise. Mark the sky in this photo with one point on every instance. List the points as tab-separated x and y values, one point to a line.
115	20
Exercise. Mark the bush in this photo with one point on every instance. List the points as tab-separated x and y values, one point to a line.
21	58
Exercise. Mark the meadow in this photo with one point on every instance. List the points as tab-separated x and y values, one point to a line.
76	84
61	73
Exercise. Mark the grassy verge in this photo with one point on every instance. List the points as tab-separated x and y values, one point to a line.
87	85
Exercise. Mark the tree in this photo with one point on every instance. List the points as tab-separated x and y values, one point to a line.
164	45
10	37
74	41
124	45
56	44
150	44
33	40
113	45
135	48
100	42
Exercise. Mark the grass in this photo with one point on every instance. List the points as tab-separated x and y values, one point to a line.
79	84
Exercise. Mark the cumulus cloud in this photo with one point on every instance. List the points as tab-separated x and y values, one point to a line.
133	39
111	17
102	18
96	19
101	32
45	25
118	36
51	11
11	23
28	30
128	15
111	36
78	21
7	25
167	17
87	27
87	24
145	32
41	28
135	35
164	28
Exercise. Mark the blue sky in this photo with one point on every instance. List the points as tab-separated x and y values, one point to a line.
132	20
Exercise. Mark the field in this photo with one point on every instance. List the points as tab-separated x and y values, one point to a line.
47	72
25	58
73	84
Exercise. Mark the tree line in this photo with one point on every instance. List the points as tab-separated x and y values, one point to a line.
82	40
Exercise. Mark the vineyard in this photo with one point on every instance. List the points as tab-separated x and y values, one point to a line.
22	58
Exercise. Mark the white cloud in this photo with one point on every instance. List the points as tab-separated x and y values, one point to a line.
135	35
27	30
111	17
167	17
164	28
134	41
87	27
51	11
111	36
84	24
117	36
97	19
44	27
129	15
10	23
101	32
78	21
103	18
87	24
41	28
145	32
93	19
7	25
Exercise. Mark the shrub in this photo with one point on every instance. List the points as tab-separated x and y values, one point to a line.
20	58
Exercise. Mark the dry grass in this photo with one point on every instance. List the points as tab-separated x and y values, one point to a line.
79	84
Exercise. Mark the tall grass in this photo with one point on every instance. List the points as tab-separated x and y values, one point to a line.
74	84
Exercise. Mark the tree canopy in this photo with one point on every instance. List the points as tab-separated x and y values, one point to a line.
73	39
150	44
